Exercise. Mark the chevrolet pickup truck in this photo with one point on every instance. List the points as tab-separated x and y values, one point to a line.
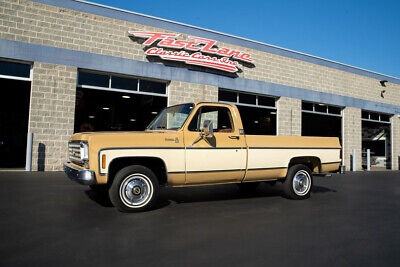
195	144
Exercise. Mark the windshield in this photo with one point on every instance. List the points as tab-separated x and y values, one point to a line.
171	118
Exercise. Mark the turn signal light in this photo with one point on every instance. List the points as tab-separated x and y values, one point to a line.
103	161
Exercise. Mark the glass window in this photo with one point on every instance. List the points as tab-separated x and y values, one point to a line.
220	117
307	106
365	115
374	116
152	87
15	69
385	117
320	108
124	83
227	96
247	99
266	101
334	110
93	79
171	118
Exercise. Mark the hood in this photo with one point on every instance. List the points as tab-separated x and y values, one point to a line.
129	139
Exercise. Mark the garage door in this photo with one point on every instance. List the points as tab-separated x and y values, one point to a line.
258	112
376	137
107	102
319	119
15	87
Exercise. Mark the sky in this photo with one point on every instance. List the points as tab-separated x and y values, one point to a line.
364	33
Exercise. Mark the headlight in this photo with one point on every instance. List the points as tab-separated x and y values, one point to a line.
84	149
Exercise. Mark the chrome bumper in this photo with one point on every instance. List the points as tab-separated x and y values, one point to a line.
80	176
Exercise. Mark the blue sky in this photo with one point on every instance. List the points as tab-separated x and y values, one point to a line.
363	33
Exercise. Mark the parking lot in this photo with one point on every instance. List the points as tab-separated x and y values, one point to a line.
351	219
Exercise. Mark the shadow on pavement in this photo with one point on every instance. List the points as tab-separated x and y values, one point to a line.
321	189
100	198
207	193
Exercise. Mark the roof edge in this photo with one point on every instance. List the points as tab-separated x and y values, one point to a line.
313	59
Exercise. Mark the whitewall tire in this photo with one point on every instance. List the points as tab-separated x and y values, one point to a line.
134	188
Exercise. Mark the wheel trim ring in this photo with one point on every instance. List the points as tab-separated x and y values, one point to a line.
125	183
297	180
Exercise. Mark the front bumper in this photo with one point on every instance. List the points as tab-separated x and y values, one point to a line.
85	177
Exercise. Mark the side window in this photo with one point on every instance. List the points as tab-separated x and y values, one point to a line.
220	116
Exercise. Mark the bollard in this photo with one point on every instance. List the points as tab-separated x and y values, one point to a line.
368	159
353	167
29	144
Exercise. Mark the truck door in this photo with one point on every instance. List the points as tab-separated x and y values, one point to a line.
219	157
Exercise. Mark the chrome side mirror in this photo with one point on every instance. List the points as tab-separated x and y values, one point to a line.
208	129
206	132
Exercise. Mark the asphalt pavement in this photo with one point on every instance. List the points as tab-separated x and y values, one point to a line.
350	220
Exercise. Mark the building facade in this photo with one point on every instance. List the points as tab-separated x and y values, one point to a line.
70	66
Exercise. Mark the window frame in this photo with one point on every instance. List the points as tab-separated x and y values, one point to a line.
193	117
273	109
379	116
18	78
322	113
245	104
110	88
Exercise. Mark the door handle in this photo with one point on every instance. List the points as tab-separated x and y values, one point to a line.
234	137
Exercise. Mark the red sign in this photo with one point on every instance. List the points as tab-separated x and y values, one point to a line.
221	58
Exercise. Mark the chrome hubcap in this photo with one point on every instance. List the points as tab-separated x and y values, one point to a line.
136	190
301	183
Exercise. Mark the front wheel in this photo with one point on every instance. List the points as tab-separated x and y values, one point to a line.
298	182
135	188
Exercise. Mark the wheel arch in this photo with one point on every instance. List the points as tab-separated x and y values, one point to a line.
312	162
156	164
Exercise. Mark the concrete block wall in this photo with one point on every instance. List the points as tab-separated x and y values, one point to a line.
289	116
182	92
32	22
395	133
352	137
52	112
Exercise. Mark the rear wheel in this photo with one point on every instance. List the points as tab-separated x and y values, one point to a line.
135	188
298	182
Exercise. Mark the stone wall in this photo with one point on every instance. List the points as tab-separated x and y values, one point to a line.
395	133
351	137
289	116
53	87
37	23
52	111
182	92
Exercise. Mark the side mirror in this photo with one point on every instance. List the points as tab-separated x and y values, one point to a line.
208	129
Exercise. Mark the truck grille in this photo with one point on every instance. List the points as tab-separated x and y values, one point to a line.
74	152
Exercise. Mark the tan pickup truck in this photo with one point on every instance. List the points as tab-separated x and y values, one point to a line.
195	144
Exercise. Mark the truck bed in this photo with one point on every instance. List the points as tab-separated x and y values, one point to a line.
269	156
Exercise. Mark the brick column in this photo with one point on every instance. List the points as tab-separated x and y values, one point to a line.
352	136
289	116
182	92
395	134
52	111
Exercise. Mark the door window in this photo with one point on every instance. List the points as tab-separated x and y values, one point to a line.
220	117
